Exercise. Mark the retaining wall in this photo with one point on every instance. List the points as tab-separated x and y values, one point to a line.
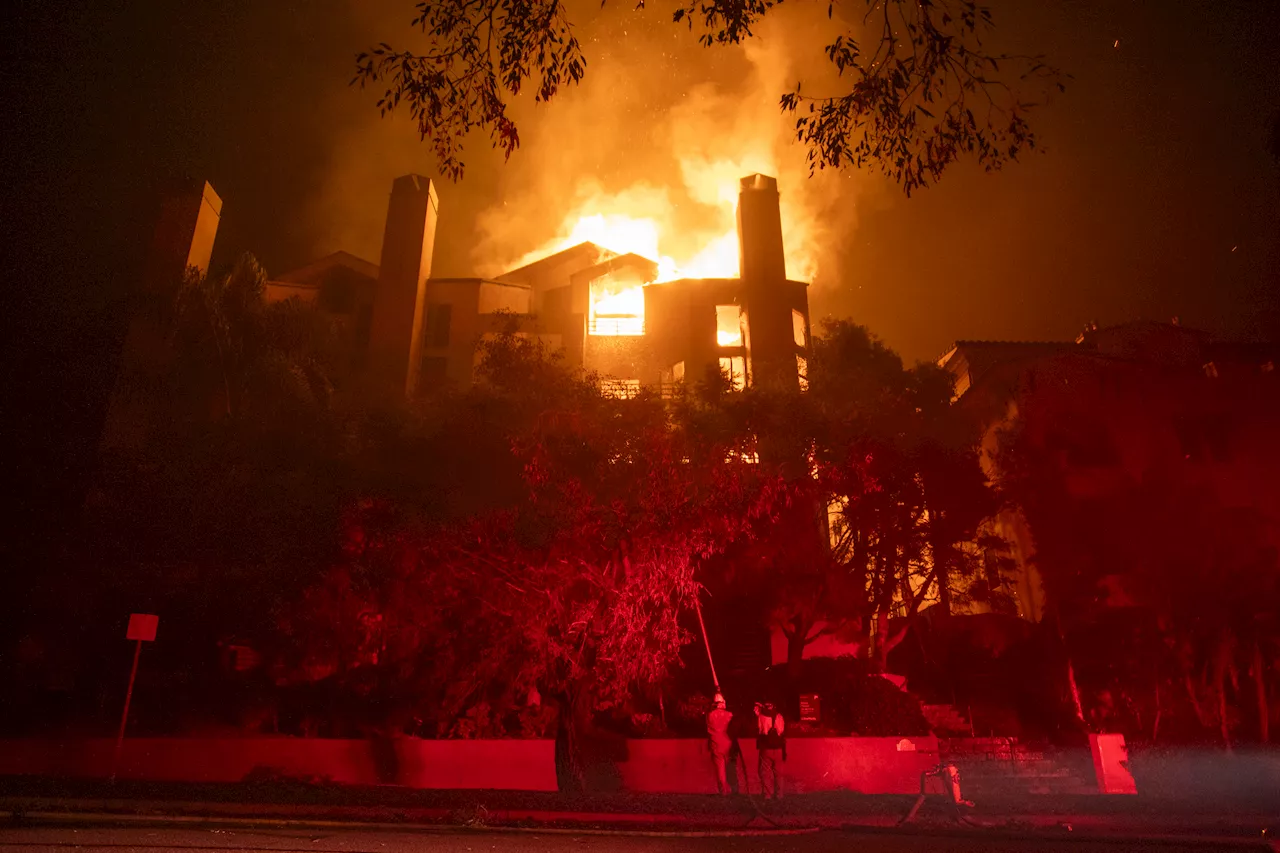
867	765
523	765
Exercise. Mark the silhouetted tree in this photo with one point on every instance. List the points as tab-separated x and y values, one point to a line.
1128	480
921	89
574	589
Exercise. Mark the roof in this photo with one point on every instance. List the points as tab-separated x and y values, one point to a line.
629	260
477	280
1165	345
588	253
1005	349
313	273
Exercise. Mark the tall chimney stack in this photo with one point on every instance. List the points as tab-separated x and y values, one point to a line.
183	239
395	340
760	254
763	270
184	235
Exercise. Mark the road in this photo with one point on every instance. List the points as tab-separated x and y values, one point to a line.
107	839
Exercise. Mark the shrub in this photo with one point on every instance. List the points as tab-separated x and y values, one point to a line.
856	701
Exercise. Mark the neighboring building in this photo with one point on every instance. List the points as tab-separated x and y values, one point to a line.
1118	404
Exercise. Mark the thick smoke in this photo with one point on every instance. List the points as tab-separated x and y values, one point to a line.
661	128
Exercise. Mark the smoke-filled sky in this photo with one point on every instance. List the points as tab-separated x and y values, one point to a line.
1154	197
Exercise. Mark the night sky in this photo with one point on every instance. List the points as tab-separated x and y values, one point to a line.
1156	195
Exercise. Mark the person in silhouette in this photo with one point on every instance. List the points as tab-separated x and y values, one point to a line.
719	741
771	745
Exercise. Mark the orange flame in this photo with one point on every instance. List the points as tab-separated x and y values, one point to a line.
689	240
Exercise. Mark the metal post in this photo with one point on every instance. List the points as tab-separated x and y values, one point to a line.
124	718
697	605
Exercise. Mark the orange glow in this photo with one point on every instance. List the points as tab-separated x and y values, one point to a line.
691	233
617	307
728	325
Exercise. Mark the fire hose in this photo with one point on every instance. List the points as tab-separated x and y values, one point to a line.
697	606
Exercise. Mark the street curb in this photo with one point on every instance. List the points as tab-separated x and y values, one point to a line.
918	831
200	820
1217	842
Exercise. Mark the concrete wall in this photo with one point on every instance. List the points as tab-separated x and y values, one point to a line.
867	765
864	765
527	765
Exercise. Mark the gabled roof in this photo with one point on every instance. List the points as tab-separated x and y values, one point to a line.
314	272
628	261
587	253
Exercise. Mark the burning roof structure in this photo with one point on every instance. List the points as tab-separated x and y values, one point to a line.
607	303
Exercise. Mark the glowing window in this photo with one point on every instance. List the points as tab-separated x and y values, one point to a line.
797	328
734	369
677	372
835	520
622	389
802	372
617	307
729	325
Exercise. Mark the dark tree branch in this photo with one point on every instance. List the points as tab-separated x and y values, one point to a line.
907	112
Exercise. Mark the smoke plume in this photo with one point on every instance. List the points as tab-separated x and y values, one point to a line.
660	130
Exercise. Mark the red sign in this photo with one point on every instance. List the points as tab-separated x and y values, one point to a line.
142	626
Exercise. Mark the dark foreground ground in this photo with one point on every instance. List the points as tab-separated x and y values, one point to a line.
1234	817
108	839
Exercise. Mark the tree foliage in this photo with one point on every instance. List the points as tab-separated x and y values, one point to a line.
1167	581
923	90
575	589
888	494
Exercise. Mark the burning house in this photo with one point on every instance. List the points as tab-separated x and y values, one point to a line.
634	320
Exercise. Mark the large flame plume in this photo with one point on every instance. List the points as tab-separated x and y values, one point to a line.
668	189
643	220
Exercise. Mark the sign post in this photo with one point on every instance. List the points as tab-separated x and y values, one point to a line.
142	629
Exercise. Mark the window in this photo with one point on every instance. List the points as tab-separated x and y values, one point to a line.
622	389
798	328
734	370
436	333
836	524
802	372
728	326
617	306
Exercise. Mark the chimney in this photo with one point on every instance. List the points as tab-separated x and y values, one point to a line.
183	238
395	340
771	348
184	235
760	254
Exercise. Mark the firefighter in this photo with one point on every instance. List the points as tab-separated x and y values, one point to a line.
771	745
719	741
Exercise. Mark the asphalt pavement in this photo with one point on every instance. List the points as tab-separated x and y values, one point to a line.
165	839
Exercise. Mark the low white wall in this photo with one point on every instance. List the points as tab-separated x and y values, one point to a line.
526	765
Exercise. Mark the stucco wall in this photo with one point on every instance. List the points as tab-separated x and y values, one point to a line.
867	765
527	765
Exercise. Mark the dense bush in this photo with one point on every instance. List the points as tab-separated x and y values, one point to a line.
858	702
